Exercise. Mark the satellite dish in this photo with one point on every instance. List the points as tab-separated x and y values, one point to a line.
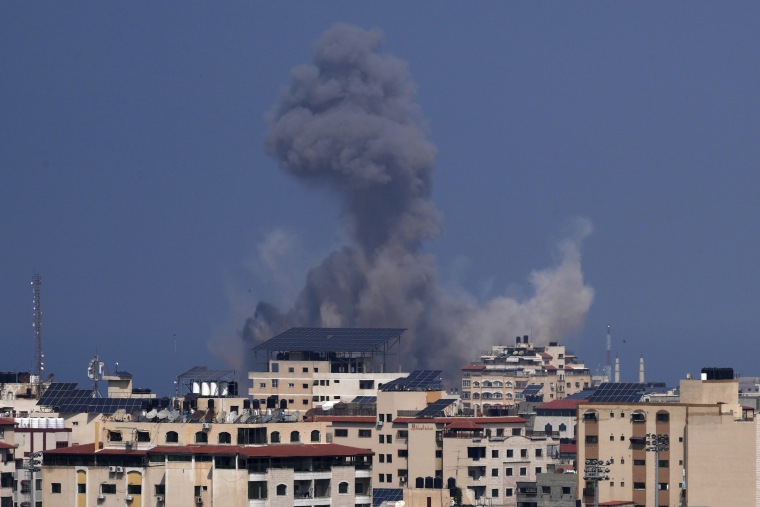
400	503
152	414
163	414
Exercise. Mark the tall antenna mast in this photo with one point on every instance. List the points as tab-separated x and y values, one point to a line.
608	364
39	366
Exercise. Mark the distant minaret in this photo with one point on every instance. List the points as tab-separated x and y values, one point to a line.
608	364
617	368
641	368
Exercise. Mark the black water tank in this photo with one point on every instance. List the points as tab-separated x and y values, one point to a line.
718	373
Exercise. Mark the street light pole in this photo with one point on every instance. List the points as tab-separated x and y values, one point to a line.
657	443
595	471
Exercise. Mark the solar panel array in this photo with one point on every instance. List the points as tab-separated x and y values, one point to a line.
111	405
382	495
436	408
65	397
122	373
365	399
418	380
531	391
618	392
325	339
582	395
202	373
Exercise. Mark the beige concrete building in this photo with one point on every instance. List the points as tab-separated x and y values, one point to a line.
308	367
709	460
221	475
7	460
503	374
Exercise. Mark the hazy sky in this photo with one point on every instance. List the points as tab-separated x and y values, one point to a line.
134	176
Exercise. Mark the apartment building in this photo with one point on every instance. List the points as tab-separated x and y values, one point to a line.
7	460
424	449
307	367
229	475
510	373
705	453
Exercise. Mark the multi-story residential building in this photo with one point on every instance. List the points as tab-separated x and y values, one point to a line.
706	452
7	460
425	450
508	373
229	475
307	367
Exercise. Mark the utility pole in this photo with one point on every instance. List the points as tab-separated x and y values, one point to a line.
33	466
657	443
39	366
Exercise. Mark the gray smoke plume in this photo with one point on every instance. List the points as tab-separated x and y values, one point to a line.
349	121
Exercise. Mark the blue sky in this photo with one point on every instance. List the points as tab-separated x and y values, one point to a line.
134	177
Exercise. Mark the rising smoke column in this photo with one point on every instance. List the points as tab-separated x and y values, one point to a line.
349	121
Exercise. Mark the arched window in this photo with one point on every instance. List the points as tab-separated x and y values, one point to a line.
591	416
487	383
563	427
508	396
548	428
225	438
172	437
315	436
508	383
201	437
662	417
419	483
497	383
476	384
282	490
275	437
476	396
498	396
295	436
343	488
486	395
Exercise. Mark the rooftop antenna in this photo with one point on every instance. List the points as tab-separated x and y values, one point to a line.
39	365
95	373
608	363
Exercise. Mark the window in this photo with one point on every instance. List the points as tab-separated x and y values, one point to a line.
612	438
262	385
622	438
275	437
291	369
341	433
495	453
565	490
562	427
275	383
381	439
159	489
523	453
663	486
538	470
389	439
315	436
343	488
382	478
134	489
592	439
107	489
246	436
388	477
291	384
403	453
282	490
225	438
114	436
510	453
55	487
495	493
143	436
367	384
82	488
201	437
465	383
539	453
508	492
516	432
439	453
365	433
295	436
275	367
663	463
172	437
257	490
523	471
639	485
382	458
305	386
546	490
639	463
389	458
494	472
662	417
306	370
508	472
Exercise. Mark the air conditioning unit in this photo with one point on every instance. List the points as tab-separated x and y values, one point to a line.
112	470
129	498
119	470
199	499
206	426
379	423
101	497
160	498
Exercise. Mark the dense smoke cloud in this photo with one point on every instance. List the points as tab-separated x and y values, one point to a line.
349	121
